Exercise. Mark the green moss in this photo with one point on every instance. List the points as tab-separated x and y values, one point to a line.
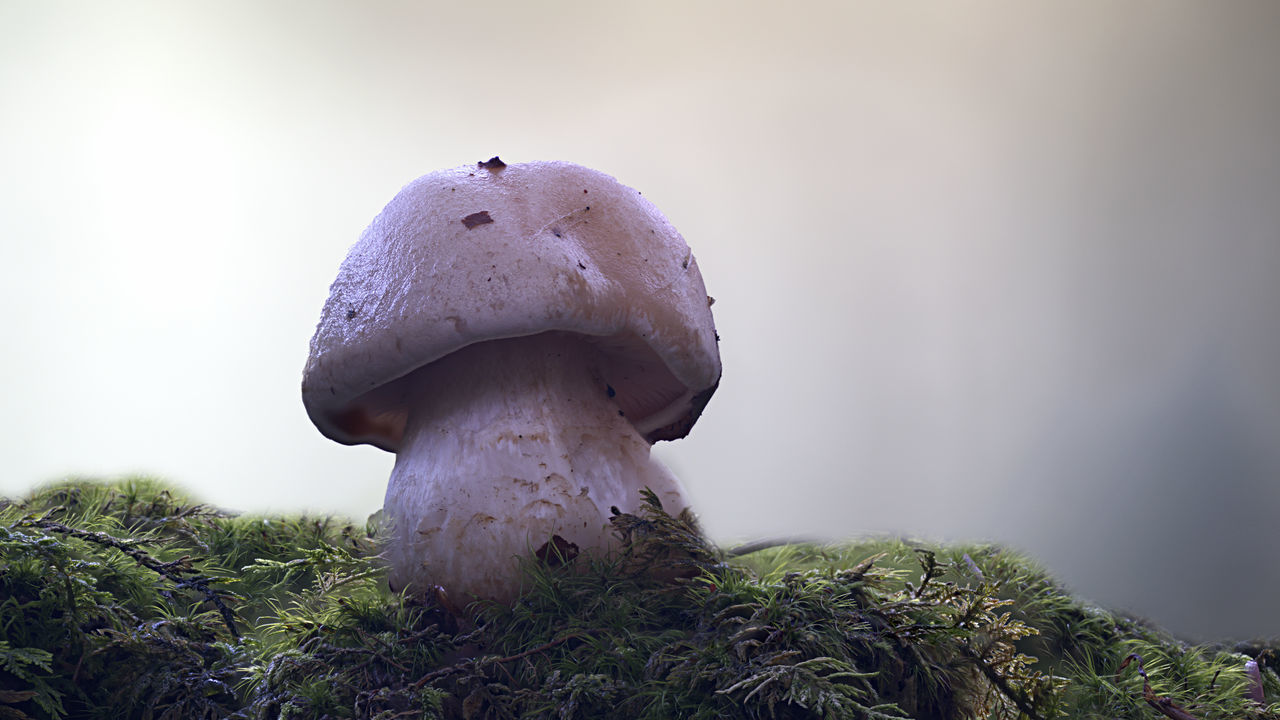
130	600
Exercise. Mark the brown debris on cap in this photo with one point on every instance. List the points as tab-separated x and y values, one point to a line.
556	552
477	218
493	163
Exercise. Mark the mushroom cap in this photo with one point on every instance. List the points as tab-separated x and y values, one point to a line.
487	252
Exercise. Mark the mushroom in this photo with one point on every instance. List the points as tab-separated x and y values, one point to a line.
1254	675
519	335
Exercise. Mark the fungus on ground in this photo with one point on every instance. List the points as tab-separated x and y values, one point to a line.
519	337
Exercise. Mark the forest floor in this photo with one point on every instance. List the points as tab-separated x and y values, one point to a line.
127	599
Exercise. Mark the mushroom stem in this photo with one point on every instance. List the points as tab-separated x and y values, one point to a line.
507	444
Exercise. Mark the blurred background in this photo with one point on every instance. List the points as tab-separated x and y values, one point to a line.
991	270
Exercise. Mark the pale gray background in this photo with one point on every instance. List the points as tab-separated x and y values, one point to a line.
986	270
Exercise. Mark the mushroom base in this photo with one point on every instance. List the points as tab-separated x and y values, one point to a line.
508	444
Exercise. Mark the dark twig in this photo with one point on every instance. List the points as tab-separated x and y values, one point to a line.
173	570
766	543
1163	705
498	660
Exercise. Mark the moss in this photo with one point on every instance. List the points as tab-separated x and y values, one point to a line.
130	600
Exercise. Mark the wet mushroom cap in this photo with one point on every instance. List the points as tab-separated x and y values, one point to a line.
483	253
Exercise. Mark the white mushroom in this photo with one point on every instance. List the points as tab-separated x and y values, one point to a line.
518	335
